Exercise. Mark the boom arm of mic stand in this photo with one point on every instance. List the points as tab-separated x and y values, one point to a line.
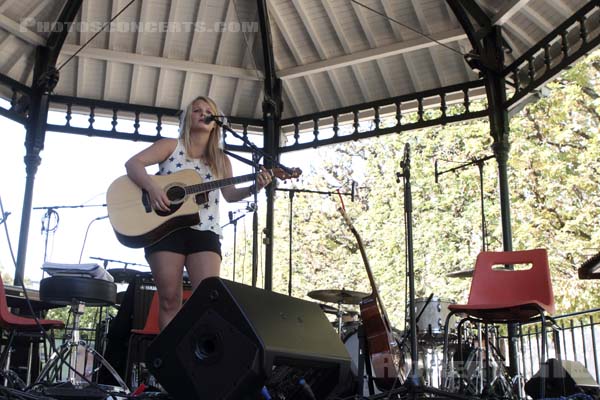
254	148
461	166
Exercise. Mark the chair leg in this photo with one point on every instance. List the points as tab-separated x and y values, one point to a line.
543	357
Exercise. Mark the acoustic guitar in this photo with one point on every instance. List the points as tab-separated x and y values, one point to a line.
383	350
137	224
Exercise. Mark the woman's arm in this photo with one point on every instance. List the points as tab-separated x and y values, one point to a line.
136	170
233	194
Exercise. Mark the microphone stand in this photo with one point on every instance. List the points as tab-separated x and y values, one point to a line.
480	162
51	210
412	379
291	223
257	154
412	385
292	192
234	221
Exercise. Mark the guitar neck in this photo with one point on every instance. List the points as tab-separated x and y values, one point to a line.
374	291
212	185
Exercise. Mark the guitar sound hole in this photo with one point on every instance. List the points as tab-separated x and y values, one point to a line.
176	195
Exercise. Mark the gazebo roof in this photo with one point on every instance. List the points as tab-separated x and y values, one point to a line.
328	53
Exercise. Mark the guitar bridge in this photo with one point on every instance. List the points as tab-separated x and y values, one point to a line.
201	198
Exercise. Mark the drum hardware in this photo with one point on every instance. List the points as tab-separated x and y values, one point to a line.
327	309
432	313
467	273
338	296
478	367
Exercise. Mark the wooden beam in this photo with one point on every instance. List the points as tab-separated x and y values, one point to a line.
21	31
373	54
218	60
6	5
407	61
135	75
36	9
424	26
538	19
83	37
508	9
562	7
312	33
312	88
159	62
198	21
520	33
362	20
108	71
337	27
165	54
248	57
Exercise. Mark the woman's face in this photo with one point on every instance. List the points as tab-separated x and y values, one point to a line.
200	110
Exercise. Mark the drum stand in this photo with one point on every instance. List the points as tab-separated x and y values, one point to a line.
71	350
364	364
79	358
412	387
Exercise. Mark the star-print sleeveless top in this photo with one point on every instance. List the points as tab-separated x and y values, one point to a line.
209	211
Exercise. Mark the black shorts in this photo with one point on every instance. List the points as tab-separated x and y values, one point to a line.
187	241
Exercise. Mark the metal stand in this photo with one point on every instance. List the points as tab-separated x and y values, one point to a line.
292	192
257	154
480	162
234	221
412	386
78	375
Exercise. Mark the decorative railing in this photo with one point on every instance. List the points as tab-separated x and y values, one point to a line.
414	111
572	39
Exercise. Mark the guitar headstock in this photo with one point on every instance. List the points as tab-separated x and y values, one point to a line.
346	217
289	174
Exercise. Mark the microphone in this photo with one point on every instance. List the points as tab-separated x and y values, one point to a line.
99	218
209	118
230	216
352	191
436	170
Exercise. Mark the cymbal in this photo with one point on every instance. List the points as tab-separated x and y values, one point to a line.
461	274
338	296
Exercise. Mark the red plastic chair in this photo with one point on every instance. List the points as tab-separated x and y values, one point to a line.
150	330
15	324
501	295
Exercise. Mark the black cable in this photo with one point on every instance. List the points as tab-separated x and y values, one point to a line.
408	27
86	235
94	35
46	228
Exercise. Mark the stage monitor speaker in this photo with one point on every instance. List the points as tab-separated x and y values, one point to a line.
563	378
232	341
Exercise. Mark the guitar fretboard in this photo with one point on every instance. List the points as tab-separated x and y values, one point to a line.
208	186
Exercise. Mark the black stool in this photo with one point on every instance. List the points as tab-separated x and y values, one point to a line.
77	292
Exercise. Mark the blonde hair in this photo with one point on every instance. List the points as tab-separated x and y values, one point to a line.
214	156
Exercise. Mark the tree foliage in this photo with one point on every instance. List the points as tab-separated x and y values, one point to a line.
554	183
